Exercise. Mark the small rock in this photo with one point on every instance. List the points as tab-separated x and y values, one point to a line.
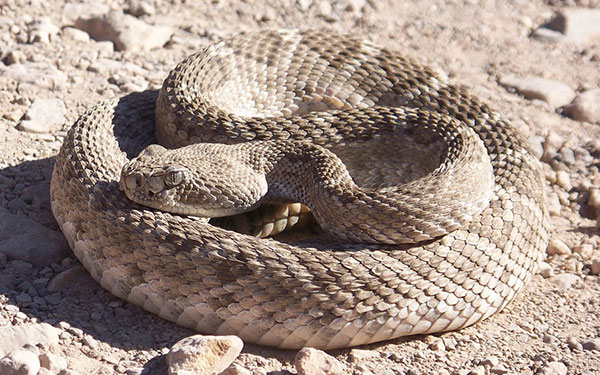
594	201
574	344
546	270
125	31
361	354
26	240
304	4
564	180
479	370
19	362
236	369
565	280
44	116
42	30
591	344
310	361
65	278
499	370
579	25
554	368
203	354
551	145
556	94
140	8
490	361
76	34
595	267
52	362
586	250
38	75
585	107
557	247
15	337
536	145
14	57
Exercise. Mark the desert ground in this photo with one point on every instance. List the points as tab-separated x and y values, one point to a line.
536	62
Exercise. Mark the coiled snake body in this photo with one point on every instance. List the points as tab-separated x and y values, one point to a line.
341	94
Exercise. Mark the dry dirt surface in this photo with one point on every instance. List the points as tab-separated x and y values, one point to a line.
545	81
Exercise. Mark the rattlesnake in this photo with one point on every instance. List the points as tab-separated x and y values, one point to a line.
331	91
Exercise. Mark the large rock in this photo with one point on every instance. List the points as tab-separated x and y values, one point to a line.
44	116
125	31
556	94
19	362
15	337
203	354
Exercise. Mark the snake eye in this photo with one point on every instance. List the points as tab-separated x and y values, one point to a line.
174	176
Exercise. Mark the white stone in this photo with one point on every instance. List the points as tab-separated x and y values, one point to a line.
565	280
585	107
15	337
579	25
310	361
556	94
52	362
125	31
203	354
44	116
42	30
20	362
557	247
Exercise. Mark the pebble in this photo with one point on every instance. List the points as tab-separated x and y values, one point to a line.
236	369
76	34
125	31
556	94
586	250
16	336
595	266
564	180
310	361
565	280
574	344
554	368
44	116
591	344
551	145
585	107
26	240
140	8
65	278
42	30
594	201
536	145
203	354
19	362
39	75
361	354
557	247
490	361
52	362
14	57
546	270
579	25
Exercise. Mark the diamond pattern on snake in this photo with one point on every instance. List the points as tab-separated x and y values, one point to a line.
422	208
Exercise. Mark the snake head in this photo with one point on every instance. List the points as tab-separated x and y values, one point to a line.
202	180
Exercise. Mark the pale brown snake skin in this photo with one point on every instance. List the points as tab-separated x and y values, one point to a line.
289	295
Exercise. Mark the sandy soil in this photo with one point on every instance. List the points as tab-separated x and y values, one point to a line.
556	319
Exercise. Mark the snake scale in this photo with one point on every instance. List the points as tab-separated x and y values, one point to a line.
333	91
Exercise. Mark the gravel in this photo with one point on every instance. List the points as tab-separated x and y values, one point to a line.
52	310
